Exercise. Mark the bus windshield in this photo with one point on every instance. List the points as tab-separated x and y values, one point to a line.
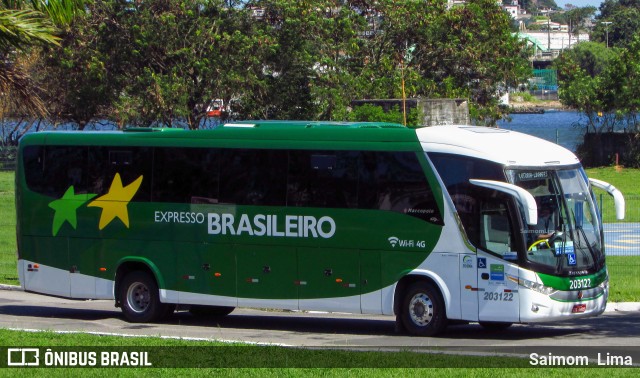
567	238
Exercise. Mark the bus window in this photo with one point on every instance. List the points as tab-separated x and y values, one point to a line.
496	233
33	160
186	175
395	181
475	208
323	179
51	170
128	162
253	177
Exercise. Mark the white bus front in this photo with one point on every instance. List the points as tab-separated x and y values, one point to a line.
531	223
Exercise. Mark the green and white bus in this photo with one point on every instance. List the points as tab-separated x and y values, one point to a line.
435	224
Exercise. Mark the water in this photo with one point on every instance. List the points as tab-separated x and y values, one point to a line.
555	126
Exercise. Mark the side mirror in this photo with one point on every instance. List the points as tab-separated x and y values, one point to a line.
524	198
618	198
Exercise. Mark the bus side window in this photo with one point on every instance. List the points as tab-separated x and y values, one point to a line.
186	175
496	233
483	215
128	162
64	166
395	181
253	177
33	162
323	179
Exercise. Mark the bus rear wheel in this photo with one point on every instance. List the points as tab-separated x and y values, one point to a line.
422	312
140	298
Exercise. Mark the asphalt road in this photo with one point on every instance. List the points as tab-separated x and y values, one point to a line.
613	332
622	239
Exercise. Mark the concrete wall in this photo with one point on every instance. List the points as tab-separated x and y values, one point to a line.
435	112
444	111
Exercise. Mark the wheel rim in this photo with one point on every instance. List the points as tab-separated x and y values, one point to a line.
421	309
138	297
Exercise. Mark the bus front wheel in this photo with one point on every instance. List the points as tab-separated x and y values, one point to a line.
422	312
140	298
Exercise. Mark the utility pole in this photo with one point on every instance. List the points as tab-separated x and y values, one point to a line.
606	29
549	31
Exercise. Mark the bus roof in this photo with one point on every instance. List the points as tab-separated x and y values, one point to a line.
274	124
249	134
506	147
502	146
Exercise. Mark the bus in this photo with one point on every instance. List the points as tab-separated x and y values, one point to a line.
430	225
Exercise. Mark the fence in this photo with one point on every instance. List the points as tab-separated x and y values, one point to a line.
622	247
8	158
544	84
544	80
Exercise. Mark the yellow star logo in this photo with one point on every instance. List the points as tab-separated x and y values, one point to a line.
114	203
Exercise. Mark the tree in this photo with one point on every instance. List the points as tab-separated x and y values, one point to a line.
623	17
577	18
24	24
159	62
208	51
580	73
473	54
155	62
603	83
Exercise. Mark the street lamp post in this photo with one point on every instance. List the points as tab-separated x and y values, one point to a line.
549	29
606	30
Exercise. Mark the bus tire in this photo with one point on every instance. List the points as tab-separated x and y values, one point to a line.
495	326
422	312
140	298
210	311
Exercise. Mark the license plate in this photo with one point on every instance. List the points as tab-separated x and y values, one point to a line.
579	308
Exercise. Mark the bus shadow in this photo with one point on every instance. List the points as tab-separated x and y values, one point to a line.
307	323
57	312
287	322
621	325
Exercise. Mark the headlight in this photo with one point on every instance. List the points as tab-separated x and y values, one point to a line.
540	288
605	283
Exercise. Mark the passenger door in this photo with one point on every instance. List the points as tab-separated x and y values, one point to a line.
498	298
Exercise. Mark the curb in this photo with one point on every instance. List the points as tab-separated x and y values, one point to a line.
622	307
10	287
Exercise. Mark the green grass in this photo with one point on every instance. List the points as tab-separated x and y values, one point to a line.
185	353
279	361
8	263
624	283
627	180
525	96
624	279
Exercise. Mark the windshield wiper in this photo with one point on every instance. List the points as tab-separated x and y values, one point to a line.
584	235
